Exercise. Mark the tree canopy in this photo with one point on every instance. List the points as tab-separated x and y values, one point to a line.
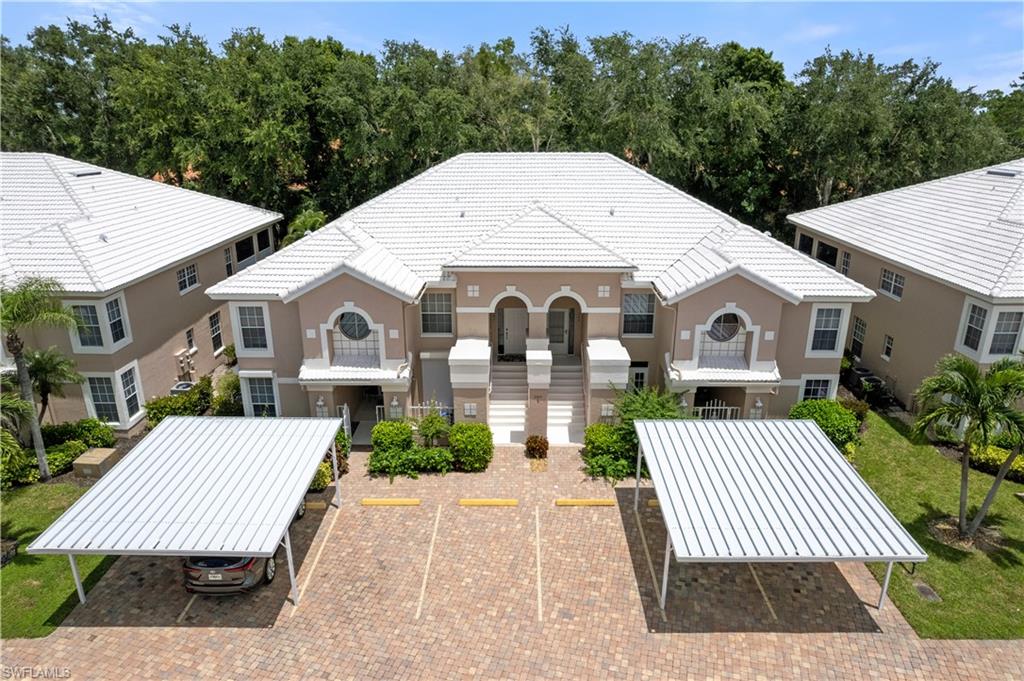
308	124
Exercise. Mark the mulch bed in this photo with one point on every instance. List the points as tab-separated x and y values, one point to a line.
986	539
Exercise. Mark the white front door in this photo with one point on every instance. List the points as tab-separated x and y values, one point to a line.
515	330
558	331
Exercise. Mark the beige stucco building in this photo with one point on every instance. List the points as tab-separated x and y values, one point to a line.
947	261
523	290
134	257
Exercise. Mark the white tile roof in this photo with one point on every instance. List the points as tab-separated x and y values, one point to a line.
724	370
597	209
966	230
96	230
198	486
766	490
352	374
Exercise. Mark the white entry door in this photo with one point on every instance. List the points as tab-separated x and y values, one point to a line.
558	331
515	330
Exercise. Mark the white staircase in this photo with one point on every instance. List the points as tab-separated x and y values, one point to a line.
566	420
506	414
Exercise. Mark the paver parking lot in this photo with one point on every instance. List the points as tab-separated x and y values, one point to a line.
364	574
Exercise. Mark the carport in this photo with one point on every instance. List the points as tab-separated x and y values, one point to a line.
199	486
769	491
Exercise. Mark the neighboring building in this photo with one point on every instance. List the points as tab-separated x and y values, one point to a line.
522	289
947	259
134	256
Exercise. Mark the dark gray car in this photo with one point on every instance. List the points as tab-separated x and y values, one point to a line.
230	575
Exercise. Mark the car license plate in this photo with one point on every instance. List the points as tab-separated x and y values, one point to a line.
215	577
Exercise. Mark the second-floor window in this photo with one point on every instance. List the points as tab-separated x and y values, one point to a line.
805	244
190	339
115	320
860	329
844	263
436	313
188	278
229	264
1004	336
826	329
827	254
215	336
892	283
253	327
90	334
887	347
638	314
976	317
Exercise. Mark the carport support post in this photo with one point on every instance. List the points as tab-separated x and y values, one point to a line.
291	566
885	585
668	563
636	494
78	578
337	480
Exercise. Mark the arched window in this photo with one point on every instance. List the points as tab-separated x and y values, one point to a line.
725	337
725	327
356	342
353	326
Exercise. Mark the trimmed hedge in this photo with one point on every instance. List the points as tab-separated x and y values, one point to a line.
606	454
409	462
472	446
322	478
838	422
991	458
62	456
93	432
391	436
195	402
59	458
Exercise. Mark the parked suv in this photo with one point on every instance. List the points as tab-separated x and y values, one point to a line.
230	575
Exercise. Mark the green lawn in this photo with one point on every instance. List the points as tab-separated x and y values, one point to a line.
37	592
982	595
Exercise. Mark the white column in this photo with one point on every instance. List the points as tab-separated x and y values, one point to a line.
668	563
291	566
78	578
885	585
636	493
337	479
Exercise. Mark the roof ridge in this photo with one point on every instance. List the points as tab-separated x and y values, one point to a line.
1015	259
84	212
77	250
73	244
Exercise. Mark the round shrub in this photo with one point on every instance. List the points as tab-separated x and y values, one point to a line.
537	447
837	422
432	427
391	436
472	446
322	478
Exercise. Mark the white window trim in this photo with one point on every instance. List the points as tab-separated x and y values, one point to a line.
236	329
833	386
217	352
887	294
425	334
327	328
853	337
193	287
622	315
982	354
634	371
119	399
244	377
844	323
109	347
885	357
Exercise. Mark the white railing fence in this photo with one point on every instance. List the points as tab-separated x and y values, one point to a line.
416	411
716	410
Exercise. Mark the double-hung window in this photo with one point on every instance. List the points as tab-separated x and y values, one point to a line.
844	263
860	329
90	334
892	283
887	347
436	313
188	278
101	389
215	336
115	320
1006	332
229	264
826	329
975	328
190	339
817	388
252	326
131	392
261	396
638	314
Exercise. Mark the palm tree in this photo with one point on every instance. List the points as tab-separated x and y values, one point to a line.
984	403
32	303
50	371
13	412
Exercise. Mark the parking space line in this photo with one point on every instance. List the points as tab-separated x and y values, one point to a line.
763	594
185	611
650	565
430	558
540	599
316	559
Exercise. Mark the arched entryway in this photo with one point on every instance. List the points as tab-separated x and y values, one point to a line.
565	328
509	329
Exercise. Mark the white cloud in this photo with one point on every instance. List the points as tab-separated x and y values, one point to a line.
121	14
812	32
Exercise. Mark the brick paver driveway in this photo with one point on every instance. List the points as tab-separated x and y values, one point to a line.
371	608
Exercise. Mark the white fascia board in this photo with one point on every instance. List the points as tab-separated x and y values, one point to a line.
740	270
345	269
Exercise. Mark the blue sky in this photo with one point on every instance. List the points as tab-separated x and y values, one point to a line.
979	44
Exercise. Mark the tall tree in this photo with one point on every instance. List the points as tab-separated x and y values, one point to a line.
30	304
982	403
50	370
13	412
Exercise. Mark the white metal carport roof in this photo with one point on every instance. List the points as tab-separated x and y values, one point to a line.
199	486
765	491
